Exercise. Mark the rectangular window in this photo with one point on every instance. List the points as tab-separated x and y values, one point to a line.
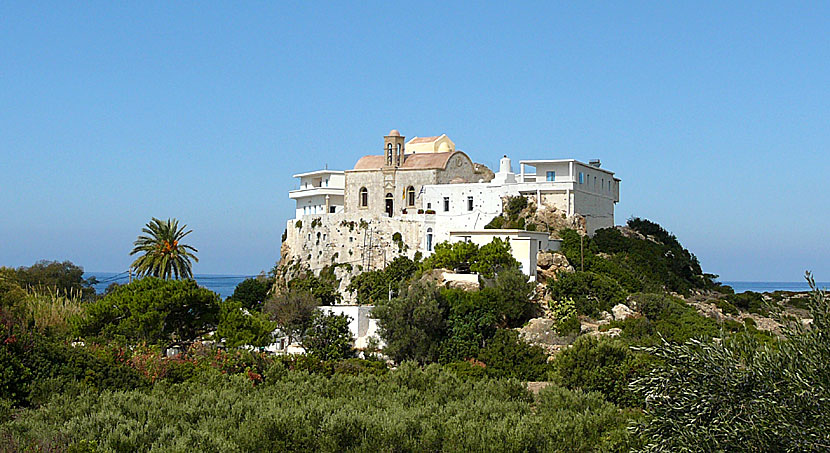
551	176
469	203
581	177
446	204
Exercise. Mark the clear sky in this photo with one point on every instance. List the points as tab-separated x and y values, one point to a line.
715	115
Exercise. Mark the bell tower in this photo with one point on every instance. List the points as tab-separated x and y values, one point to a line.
393	148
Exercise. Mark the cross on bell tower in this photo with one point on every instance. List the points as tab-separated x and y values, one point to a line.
393	148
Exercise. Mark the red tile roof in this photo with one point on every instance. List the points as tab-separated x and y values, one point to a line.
425	139
411	161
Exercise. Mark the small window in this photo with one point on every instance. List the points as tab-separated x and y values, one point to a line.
469	203
389	154
581	177
410	196
551	176
429	205
446	204
595	182
331	209
364	197
398	158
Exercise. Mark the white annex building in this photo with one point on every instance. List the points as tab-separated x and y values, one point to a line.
419	193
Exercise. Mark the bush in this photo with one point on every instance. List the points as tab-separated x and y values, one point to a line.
252	292
239	326
779	394
409	409
564	312
328	337
375	286
488	260
749	301
33	367
591	292
726	307
413	324
602	365
506	355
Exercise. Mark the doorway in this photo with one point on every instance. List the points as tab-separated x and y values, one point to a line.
389	205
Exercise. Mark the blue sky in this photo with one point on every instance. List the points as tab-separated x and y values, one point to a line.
715	116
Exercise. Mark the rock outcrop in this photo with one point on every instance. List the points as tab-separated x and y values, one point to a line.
621	312
542	332
548	264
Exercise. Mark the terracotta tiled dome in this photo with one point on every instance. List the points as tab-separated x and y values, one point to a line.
394	133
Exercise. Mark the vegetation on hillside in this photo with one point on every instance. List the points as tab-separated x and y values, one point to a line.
87	372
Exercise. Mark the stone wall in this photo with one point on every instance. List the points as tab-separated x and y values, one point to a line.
363	242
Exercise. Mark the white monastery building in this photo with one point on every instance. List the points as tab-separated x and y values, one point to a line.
424	191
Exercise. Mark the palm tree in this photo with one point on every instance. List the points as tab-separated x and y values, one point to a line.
164	254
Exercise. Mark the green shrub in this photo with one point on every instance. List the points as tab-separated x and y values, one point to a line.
328	337
591	292
602	365
410	409
239	327
506	355
749	301
738	395
564	312
726	307
252	292
488	260
515	205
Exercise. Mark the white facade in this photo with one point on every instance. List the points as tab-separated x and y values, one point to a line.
320	192
524	245
436	194
555	183
361	325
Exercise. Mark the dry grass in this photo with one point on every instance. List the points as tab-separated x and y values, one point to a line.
48	309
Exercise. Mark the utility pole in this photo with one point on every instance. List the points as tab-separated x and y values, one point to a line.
581	254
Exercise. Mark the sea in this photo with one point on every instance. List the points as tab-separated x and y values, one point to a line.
768	287
224	284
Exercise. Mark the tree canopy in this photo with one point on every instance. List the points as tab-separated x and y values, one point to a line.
154	311
163	254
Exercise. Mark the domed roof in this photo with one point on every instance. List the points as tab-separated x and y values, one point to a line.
394	133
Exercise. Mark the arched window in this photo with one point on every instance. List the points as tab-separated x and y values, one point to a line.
389	154
364	197
410	196
429	239
398	156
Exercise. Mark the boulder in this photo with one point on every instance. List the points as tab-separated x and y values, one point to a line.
548	264
542	332
621	311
